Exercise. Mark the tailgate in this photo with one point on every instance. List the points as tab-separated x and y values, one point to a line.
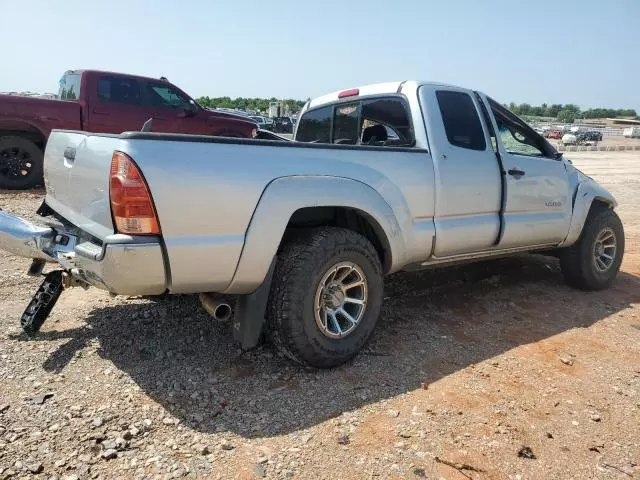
76	172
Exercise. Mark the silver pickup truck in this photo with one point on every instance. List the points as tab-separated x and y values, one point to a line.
300	233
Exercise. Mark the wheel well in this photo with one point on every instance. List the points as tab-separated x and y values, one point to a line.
28	132
349	218
597	205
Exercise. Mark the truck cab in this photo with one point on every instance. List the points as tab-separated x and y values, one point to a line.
497	184
115	103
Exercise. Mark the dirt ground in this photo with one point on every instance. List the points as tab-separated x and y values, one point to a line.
496	370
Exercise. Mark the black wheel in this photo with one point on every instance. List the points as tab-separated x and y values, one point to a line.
20	163
326	296
593	262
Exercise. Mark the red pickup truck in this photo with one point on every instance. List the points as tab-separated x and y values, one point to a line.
97	101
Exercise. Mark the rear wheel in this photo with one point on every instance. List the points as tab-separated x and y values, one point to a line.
326	296
20	163
593	262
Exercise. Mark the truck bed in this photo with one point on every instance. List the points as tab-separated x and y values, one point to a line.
40	113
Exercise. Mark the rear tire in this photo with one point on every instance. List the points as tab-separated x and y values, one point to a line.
308	297
586	264
20	163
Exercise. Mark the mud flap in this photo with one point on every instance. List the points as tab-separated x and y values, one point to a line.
42	302
250	313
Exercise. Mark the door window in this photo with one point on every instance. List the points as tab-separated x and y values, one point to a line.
461	122
517	137
165	95
119	90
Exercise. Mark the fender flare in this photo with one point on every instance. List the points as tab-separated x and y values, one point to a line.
283	197
24	126
587	192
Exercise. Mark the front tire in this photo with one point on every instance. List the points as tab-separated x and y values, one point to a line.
593	262
326	296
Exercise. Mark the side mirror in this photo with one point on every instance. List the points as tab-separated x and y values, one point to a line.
557	155
186	112
189	111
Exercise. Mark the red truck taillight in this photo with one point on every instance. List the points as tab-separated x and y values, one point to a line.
131	204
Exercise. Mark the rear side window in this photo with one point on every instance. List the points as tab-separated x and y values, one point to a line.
461	121
315	126
385	122
119	90
69	88
381	122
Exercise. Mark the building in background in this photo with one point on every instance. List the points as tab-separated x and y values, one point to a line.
50	96
279	109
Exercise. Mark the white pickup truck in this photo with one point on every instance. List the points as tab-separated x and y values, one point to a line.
378	179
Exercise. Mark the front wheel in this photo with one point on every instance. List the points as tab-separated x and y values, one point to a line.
593	262
326	296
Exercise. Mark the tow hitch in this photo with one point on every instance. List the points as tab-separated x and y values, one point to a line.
46	297
42	244
42	302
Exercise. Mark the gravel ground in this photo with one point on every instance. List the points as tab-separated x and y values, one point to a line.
494	370
607	141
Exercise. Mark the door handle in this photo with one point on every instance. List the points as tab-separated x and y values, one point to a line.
516	172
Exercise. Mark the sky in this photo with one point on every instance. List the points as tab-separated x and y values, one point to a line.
554	51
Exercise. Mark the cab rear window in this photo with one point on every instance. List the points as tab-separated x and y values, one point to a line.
69	86
315	126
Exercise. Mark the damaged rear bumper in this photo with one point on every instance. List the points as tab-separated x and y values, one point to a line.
25	239
121	264
124	266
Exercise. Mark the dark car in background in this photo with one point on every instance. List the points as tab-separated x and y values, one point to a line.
591	136
282	125
264	123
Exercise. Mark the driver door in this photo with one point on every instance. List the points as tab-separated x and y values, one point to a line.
537	202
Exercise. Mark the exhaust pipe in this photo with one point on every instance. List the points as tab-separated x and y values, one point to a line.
216	307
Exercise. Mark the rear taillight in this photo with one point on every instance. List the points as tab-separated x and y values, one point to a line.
131	204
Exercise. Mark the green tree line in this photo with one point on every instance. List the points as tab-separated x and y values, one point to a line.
568	112
252	104
564	113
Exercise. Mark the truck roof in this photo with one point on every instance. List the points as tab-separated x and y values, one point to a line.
374	89
105	72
